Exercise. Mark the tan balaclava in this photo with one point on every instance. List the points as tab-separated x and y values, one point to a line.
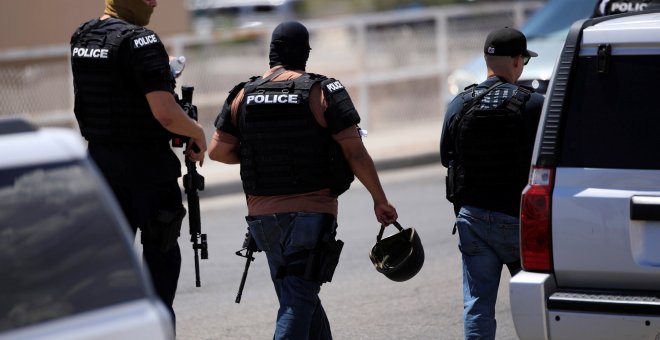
136	12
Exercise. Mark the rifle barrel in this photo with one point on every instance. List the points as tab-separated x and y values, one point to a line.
248	259
198	282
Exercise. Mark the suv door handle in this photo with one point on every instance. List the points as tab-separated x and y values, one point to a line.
645	208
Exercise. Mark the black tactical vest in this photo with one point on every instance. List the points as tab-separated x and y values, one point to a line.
109	107
490	166
283	149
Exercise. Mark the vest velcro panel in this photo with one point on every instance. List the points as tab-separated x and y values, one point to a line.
283	148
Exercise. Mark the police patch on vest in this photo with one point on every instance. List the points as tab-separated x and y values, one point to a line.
334	86
284	98
144	41
96	53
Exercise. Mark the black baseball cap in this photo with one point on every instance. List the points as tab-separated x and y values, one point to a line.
507	42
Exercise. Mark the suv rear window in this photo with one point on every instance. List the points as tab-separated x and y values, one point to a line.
612	118
62	251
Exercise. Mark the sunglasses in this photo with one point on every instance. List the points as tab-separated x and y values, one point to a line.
525	60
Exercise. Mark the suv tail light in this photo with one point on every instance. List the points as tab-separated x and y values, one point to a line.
535	227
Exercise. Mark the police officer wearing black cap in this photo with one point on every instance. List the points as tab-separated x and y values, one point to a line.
126	109
486	145
296	137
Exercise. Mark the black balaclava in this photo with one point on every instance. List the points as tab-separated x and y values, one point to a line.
289	46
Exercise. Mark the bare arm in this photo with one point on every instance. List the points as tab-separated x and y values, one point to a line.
224	148
174	119
363	168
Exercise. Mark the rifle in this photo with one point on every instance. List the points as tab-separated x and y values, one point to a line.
192	183
249	246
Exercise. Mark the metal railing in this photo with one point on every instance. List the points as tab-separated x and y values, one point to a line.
394	64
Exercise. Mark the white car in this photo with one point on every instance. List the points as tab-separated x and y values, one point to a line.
545	30
590	215
68	269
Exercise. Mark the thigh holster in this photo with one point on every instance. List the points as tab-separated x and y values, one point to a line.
313	265
162	231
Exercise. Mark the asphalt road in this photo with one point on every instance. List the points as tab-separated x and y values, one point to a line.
360	302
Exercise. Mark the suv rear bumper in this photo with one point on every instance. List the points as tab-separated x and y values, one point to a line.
541	311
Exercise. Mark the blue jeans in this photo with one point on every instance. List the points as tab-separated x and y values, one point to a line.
488	240
282	236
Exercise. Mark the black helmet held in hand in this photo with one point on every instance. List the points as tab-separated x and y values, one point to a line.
400	256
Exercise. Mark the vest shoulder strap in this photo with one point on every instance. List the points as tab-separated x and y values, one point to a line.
518	99
307	80
127	31
270	76
235	90
256	81
84	28
468	95
316	76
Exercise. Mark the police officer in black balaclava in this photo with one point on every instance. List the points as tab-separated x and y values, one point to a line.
126	110
300	147
289	46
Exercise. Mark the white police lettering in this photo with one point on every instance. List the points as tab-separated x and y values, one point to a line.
334	86
144	41
272	99
82	52
620	7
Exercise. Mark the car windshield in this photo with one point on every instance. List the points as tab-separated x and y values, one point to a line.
62	251
556	17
